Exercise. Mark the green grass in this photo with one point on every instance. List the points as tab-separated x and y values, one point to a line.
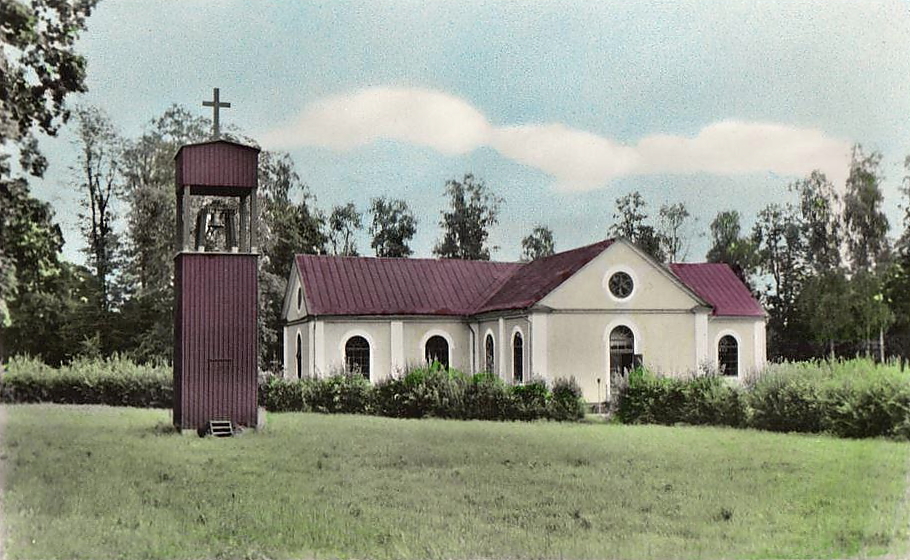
96	482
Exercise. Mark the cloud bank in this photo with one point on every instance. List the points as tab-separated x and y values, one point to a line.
576	159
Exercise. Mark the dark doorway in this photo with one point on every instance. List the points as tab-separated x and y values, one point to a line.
622	350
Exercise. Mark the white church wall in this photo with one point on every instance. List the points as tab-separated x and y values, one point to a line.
377	333
455	331
296	308
579	345
749	334
290	350
587	289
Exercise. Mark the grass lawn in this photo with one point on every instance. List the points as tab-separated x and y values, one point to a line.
96	482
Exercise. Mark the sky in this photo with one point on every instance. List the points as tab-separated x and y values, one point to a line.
560	107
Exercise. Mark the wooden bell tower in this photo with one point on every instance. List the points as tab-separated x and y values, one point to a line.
216	285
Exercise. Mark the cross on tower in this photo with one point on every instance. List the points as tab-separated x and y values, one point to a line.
216	104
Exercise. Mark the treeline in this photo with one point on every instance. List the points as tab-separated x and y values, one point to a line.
832	280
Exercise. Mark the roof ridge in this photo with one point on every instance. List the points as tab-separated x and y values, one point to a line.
425	259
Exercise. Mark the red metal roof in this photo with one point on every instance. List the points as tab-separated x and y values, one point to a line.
717	284
398	286
533	280
393	286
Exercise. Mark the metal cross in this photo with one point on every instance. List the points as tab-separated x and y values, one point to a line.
216	104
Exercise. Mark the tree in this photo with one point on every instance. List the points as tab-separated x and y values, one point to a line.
101	184
869	308
866	223
39	69
472	211
778	242
672	219
732	248
629	221
824	305
538	244
148	171
819	223
393	226
344	222
286	229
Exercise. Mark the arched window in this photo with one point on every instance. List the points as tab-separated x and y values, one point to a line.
622	349
728	356
518	361
299	356
357	356
299	298
489	354
437	349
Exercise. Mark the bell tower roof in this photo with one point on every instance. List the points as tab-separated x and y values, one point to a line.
217	168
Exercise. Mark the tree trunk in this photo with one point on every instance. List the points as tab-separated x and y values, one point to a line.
831	346
881	344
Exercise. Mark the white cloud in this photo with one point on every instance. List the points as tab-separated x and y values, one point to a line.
418	116
576	159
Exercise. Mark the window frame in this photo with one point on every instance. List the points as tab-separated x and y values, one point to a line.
368	371
518	365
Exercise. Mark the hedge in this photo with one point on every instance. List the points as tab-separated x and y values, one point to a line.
112	381
432	391
853	398
427	392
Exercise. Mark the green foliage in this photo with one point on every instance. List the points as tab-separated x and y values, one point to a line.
473	210
429	392
344	222
392	228
730	247
855	399
701	400
866	223
113	381
566	402
629	222
537	244
343	393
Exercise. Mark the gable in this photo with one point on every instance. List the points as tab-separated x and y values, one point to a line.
291	311
653	286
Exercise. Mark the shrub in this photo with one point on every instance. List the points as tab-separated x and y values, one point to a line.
566	402
282	395
704	399
529	401
341	393
113	381
487	398
786	403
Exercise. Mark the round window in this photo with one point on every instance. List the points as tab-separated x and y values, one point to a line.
621	285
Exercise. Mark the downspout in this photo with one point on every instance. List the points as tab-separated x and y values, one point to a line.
530	346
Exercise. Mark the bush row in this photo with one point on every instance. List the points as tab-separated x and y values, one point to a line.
848	399
425	392
431	391
112	381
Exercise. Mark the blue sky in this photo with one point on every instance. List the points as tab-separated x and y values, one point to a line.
561	107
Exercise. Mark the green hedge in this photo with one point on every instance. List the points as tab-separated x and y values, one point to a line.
113	381
704	400
426	392
853	398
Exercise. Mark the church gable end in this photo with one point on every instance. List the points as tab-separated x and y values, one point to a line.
622	277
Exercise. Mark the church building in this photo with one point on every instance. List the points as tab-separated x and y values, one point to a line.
590	313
